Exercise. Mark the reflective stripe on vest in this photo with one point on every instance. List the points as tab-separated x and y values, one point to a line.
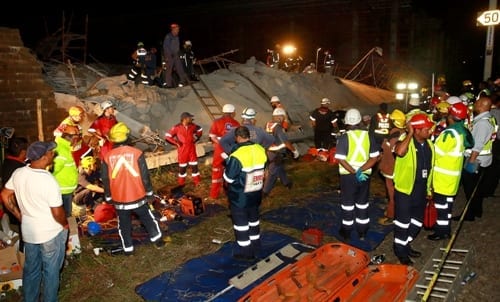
448	164
358	153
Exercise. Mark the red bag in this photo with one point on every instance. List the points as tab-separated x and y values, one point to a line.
430	214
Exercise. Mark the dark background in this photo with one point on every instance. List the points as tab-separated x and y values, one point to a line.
252	27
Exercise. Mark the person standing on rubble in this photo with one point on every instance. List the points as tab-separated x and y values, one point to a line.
357	153
323	122
276	103
184	136
101	126
218	129
244	174
45	227
171	48
188	59
127	185
138	70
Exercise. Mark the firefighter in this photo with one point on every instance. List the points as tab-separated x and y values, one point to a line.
450	146
415	155
188	59
276	153
100	127
138	70
218	129
184	136
380	124
356	152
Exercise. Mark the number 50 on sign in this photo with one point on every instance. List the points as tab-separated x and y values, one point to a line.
489	17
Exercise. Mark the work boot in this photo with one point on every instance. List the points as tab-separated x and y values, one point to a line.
345	235
413	253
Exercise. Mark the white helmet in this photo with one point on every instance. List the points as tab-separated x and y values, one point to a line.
325	101
228	108
352	117
106	104
279	111
248	113
453	100
275	99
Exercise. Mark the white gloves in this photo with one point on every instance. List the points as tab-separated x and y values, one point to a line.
296	154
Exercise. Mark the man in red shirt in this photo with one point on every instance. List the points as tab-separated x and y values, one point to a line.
218	129
184	136
101	126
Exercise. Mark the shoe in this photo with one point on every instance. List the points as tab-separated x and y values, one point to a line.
385	220
413	253
345	235
246	258
436	237
128	253
405	260
362	236
159	243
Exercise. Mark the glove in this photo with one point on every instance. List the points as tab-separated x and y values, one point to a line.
224	155
360	176
296	154
471	167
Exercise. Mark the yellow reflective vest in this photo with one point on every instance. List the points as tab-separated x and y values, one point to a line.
448	162
359	150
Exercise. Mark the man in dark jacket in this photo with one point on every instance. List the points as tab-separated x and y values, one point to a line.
171	47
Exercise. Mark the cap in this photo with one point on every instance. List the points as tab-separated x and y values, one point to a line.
228	108
38	149
325	101
185	115
275	99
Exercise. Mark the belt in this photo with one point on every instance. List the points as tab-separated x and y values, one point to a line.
131	206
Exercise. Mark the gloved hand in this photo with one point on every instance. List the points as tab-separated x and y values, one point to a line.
360	176
470	167
296	154
224	155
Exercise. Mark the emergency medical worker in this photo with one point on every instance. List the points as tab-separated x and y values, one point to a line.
276	153
257	134
184	136
218	129
357	152
412	171
323	121
244	174
101	126
276	103
127	185
387	161
478	158
380	124
138	70
449	148
440	117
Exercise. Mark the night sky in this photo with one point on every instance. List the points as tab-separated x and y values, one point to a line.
250	26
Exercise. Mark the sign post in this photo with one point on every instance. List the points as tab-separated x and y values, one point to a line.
489	18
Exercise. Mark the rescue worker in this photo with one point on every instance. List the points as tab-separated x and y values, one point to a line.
101	126
448	163
127	185
89	188
276	103
257	134
415	157
244	174
323	122
138	71
387	161
171	47
357	152
184	136
440	117
478	158
218	129
380	124
151	67
276	153
188	59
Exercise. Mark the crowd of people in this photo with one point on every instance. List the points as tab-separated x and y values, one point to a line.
422	154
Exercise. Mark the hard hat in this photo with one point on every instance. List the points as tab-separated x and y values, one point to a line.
435	100
325	101
398	118
467	83
93	228
87	162
119	133
248	113
174	25
421	120
453	100
188	43
106	104
140	44
228	108
275	99
75	111
352	117
458	110
279	111
442	107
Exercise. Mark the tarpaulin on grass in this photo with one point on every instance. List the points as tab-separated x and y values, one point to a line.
324	212
207	277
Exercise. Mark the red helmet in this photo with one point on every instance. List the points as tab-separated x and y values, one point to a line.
435	100
421	120
458	110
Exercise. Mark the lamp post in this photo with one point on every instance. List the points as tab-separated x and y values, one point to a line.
317	55
406	92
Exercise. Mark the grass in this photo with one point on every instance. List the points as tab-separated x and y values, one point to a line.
113	278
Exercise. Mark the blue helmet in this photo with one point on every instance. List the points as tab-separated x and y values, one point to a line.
93	228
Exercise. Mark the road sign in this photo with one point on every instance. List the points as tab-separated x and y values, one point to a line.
489	17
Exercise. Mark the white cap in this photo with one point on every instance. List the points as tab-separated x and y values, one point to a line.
453	100
275	99
228	108
352	117
248	113
279	111
325	101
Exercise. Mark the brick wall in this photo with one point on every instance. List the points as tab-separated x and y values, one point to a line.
21	85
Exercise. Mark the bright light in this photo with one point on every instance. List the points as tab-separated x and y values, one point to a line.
400	96
401	86
415	96
289	49
412	86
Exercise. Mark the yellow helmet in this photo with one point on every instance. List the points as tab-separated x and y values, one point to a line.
119	133
75	111
442	107
87	162
398	118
